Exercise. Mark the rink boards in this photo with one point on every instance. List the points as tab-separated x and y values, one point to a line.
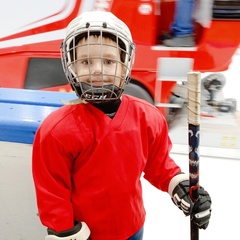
21	113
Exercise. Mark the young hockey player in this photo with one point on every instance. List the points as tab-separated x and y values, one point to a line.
89	155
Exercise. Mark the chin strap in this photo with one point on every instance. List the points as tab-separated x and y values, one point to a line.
95	95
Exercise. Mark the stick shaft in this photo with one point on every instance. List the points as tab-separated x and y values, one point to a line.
194	104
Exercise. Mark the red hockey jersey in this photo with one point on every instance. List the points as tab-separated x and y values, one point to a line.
87	166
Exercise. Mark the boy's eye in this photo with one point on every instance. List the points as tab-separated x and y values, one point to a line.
86	62
108	61
104	61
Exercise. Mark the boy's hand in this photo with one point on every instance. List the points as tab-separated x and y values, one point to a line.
200	211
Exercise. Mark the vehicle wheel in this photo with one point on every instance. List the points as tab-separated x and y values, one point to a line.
139	92
233	103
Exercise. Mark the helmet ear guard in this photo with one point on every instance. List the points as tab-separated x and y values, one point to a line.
105	25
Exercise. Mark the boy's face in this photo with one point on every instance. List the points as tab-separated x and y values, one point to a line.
98	62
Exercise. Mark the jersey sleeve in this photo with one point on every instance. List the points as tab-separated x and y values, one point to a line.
160	167
51	167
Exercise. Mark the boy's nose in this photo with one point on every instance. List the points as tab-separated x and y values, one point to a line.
97	67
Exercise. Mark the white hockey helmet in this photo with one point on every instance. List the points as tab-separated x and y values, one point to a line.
103	24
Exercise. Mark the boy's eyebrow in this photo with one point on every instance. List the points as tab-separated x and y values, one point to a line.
107	55
110	56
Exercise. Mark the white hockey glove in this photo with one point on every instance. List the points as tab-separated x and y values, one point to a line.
200	211
79	232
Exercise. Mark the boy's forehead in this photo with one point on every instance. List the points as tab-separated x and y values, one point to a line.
97	46
94	39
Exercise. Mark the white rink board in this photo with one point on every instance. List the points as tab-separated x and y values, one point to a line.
19	220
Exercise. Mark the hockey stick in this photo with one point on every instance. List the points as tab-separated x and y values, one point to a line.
194	94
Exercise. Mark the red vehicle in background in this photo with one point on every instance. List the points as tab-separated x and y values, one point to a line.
30	57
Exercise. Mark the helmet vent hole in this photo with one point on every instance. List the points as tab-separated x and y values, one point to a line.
104	25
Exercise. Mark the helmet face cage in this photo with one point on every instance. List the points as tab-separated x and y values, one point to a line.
90	39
